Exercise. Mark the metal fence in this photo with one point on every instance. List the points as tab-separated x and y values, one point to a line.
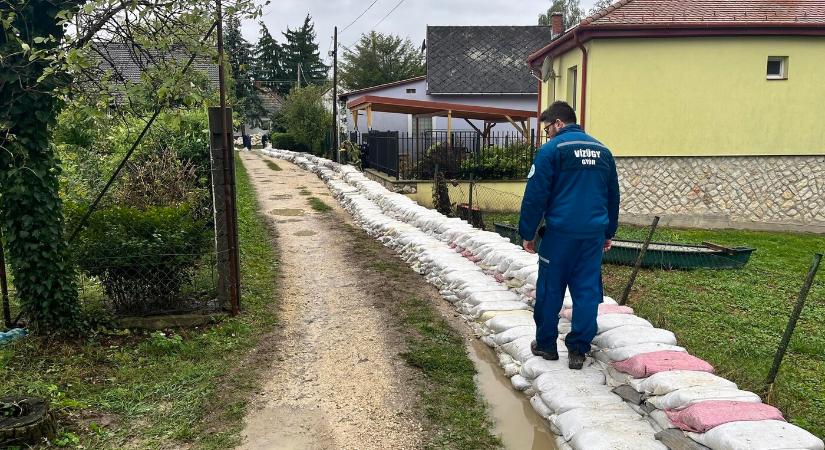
457	154
149	247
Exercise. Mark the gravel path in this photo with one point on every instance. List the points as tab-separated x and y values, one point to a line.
337	382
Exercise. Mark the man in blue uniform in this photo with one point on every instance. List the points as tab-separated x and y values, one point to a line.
574	187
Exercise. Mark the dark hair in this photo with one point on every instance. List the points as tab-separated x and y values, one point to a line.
559	110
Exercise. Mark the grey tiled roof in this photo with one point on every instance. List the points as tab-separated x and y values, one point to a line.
482	59
126	65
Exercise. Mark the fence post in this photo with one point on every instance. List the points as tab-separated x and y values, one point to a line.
470	200
786	338
4	287
639	259
223	215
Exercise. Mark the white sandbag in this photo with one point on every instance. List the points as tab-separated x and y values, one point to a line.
608	322
503	323
519	349
623	353
607	439
551	380
541	408
510	313
576	420
565	326
660	418
633	335
561	444
514	333
666	382
683	398
566	397
616	378
512	369
536	366
477	298
520	383
758	435
483	308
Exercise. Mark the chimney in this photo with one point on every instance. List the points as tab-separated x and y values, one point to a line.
556	24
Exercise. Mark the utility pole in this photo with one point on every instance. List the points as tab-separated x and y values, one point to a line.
335	97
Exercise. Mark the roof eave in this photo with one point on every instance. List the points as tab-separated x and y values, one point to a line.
587	32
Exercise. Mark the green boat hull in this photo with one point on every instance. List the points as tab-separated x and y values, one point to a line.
662	255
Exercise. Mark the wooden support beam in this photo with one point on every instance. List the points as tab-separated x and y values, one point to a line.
474	127
449	127
355	118
517	126
369	117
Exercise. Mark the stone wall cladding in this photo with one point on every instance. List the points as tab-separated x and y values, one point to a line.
771	192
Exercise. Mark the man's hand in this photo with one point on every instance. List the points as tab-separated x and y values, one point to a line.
529	246
608	244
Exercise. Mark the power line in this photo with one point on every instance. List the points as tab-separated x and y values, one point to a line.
359	16
388	14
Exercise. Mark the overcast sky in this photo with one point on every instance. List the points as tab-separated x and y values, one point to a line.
410	18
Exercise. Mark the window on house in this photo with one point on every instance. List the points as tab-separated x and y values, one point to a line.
411	91
572	85
777	67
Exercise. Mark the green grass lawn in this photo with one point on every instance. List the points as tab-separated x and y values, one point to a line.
735	318
159	390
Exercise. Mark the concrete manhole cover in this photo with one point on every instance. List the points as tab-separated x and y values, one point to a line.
287	212
280	196
304	233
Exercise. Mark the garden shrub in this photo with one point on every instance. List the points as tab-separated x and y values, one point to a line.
499	163
143	258
286	141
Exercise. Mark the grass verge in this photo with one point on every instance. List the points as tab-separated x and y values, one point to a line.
272	165
456	415
318	205
185	387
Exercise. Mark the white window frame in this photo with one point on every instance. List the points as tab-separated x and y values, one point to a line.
783	68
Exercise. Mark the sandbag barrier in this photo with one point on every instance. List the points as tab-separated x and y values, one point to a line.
639	390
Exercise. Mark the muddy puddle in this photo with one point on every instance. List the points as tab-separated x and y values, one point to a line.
287	212
304	233
518	425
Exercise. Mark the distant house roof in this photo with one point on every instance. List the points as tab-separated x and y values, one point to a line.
683	18
482	59
381	86
127	64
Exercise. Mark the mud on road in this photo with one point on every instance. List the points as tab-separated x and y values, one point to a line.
337	381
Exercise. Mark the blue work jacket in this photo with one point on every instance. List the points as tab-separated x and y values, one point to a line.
573	185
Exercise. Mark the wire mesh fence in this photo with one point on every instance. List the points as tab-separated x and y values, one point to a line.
148	248
727	294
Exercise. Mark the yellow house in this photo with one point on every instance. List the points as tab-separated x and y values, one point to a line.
714	109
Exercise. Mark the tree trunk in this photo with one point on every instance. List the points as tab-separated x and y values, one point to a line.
31	212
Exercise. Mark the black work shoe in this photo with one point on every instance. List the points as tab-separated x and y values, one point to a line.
551	355
575	360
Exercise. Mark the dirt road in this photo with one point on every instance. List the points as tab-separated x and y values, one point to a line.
338	381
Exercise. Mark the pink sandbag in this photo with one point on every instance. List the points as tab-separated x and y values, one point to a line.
647	364
567	313
452	244
466	253
500	278
531	294
703	416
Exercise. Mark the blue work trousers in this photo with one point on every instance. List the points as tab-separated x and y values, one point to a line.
574	263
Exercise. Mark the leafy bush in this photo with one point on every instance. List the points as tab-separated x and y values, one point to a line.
306	118
286	141
142	257
499	163
448	158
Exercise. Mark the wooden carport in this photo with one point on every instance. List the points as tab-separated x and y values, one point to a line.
520	119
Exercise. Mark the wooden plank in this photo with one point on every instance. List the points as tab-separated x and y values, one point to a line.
369	117
628	394
727	250
516	126
355	118
676	440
